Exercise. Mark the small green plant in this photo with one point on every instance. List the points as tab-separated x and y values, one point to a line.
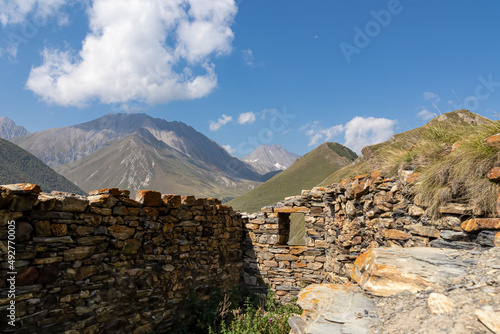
267	317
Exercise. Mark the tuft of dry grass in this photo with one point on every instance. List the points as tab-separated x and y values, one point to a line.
460	176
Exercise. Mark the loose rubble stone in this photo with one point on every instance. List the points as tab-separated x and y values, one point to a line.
490	319
494	174
440	304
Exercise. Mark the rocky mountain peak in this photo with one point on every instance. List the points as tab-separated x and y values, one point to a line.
269	158
9	129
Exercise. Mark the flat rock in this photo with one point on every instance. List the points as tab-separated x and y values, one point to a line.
487	238
479	224
23	188
490	319
69	202
454	235
389	271
333	308
441	243
440	304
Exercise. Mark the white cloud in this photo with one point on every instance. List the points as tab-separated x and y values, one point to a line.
429	96
246	118
317	134
363	131
426	114
248	57
229	149
17	11
152	51
358	132
223	120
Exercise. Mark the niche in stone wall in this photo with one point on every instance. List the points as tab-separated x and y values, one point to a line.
292	229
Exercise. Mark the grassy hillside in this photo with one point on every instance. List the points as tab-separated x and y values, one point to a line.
305	173
449	152
19	166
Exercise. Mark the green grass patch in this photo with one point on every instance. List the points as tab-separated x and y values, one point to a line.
265	317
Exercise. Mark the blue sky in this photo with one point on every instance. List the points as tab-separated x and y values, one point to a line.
250	72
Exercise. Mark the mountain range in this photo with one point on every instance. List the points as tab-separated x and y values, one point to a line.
136	151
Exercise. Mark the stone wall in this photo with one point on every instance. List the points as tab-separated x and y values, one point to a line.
344	220
109	264
268	259
371	211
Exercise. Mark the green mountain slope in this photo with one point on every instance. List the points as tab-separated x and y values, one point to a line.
19	166
305	173
141	161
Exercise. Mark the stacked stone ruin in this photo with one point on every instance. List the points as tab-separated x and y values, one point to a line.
108	263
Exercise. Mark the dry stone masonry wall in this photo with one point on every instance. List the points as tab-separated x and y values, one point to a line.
107	263
110	264
269	261
346	219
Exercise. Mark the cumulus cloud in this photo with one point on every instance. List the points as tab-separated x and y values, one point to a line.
248	57
229	149
223	120
318	134
247	118
429	96
152	51
363	131
358	132
16	11
426	115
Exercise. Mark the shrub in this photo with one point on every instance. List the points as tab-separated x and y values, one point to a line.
268	317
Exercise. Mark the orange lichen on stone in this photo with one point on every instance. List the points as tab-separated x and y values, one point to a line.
289	209
493	140
24	187
395	234
494	174
413	177
362	176
497	240
106	191
149	198
376	174
344	182
360	189
478	224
